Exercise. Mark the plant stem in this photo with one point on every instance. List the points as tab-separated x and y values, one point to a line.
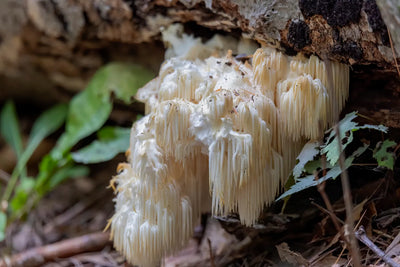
348	227
10	186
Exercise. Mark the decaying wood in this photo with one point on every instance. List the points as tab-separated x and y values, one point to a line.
66	40
50	48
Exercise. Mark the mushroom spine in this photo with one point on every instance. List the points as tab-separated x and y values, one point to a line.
221	135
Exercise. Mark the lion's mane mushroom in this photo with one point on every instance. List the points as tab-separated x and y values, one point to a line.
219	134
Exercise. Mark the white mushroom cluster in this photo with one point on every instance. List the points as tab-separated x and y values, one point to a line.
220	134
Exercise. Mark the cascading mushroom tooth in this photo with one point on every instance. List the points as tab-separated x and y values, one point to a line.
222	137
122	166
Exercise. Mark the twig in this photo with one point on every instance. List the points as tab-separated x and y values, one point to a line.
396	148
327	212
340	255
211	253
321	190
382	234
394	53
364	164
348	226
366	117
66	248
360	234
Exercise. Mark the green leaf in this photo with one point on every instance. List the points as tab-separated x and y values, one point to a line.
65	173
112	141
48	182
346	128
384	157
45	125
91	108
9	128
87	113
47	164
123	79
22	192
3	224
316	164
309	151
48	167
335	171
110	133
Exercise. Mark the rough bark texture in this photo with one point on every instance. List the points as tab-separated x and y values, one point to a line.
390	10
49	48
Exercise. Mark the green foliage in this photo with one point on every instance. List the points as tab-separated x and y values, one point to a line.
86	114
46	124
384	157
90	109
310	160
310	181
111	141
122	79
68	171
22	192
309	151
3	224
9	128
346	129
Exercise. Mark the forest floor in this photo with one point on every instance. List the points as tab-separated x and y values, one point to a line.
66	228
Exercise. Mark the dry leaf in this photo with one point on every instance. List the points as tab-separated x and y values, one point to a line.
394	248
289	256
330	261
357	210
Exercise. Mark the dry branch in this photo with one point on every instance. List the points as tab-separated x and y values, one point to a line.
67	248
362	236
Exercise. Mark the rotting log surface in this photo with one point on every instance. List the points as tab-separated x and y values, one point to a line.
49	48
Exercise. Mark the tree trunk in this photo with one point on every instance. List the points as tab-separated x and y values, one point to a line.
49	48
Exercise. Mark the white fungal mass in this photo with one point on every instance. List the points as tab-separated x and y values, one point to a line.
219	134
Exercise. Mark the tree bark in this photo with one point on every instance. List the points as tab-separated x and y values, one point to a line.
50	48
390	10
